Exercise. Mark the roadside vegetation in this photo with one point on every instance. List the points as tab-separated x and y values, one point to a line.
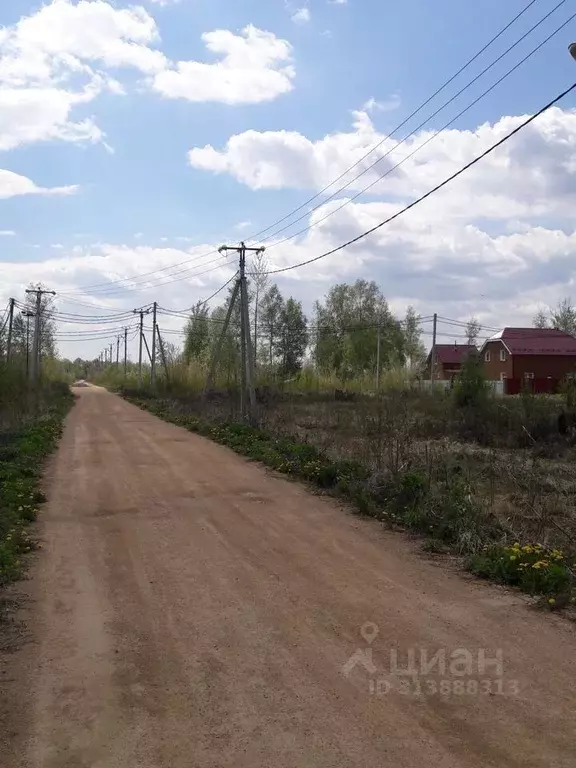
30	426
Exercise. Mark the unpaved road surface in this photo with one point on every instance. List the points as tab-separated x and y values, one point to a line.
190	610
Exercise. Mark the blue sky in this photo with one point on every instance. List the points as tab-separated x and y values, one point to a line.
134	189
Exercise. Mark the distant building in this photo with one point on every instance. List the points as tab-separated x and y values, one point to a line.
538	357
448	360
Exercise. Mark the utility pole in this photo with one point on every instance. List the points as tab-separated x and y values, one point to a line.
247	353
433	352
37	344
125	350
110	353
141	312
153	361
10	325
117	351
27	314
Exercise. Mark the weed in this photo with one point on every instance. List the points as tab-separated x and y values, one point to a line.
20	469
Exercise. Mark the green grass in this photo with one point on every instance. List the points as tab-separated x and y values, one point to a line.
22	453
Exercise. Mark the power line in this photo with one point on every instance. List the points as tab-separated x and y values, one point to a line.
108	284
401	125
432	191
428	140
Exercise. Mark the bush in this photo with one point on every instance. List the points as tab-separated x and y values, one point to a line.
471	388
21	457
529	567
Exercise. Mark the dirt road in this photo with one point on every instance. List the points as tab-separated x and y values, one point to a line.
190	610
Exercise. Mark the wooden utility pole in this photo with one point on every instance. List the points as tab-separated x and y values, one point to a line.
433	352
247	352
142	341
117	351
153	356
10	326
125	351
37	343
27	314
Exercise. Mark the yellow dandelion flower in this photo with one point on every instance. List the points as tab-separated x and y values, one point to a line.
512	557
551	601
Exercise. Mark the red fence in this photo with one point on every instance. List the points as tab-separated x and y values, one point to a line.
537	386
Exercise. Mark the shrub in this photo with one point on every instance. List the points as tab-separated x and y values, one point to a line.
471	388
529	567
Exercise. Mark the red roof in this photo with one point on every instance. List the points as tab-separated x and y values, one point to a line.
537	341
451	354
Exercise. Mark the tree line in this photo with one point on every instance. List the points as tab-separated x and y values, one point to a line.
341	336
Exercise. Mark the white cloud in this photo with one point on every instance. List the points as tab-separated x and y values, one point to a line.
532	174
301	16
46	67
254	67
13	185
387	105
7	233
67	53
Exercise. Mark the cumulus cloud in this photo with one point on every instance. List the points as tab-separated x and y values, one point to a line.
254	67
496	242
67	53
14	185
532	174
49	64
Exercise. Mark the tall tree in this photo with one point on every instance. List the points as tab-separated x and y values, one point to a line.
293	337
197	334
347	334
260	281
415	350
271	320
540	319
473	329
563	317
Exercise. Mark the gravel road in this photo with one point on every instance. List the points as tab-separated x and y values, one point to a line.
189	609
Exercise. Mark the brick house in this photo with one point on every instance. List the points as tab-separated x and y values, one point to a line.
449	359
543	356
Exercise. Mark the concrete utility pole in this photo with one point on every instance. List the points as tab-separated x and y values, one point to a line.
153	360
433	351
37	344
247	353
10	326
125	350
27	314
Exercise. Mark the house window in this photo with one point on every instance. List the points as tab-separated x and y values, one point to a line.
487	356
502	355
528	375
503	377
